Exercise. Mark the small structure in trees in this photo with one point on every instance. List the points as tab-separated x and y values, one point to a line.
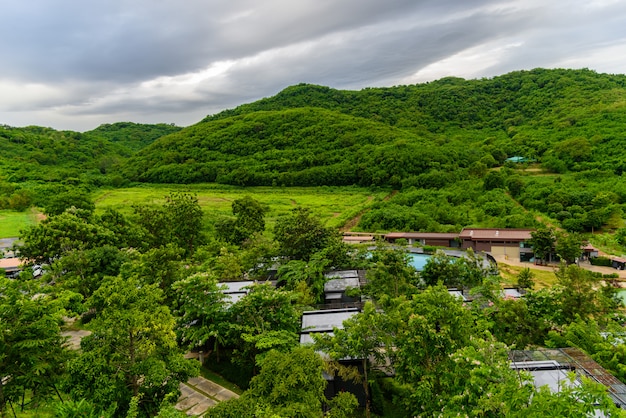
435	239
338	285
551	367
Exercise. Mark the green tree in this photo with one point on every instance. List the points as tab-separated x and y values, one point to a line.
57	235
58	203
586	399
132	351
301	234
542	242
249	220
579	295
465	271
568	247
434	325
201	311
364	337
291	383
264	319
390	274
162	266
311	273
288	385
32	356
82	270
525	278
179	221
494	180
185	220
481	382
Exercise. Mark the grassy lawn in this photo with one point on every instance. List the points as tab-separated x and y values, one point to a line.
335	205
543	277
12	222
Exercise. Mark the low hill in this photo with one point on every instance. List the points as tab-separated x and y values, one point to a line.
35	153
301	146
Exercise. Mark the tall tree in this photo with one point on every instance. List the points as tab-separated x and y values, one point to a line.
265	318
249	219
288	385
179	221
185	220
301	234
542	242
56	235
132	351
32	356
568	247
201	311
435	325
391	274
364	337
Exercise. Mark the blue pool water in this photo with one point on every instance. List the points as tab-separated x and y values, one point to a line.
418	260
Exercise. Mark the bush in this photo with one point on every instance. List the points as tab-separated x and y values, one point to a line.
601	261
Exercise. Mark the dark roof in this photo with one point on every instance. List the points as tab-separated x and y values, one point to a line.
491	234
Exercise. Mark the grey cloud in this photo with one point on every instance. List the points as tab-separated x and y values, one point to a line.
100	52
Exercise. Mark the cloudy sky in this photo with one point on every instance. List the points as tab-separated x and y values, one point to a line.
75	64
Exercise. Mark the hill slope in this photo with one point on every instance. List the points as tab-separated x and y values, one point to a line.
311	135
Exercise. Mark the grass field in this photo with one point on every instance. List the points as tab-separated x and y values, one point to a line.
12	222
335	205
542	277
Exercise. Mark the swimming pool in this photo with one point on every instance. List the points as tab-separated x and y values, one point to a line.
418	260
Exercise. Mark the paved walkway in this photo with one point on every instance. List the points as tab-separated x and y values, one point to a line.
200	394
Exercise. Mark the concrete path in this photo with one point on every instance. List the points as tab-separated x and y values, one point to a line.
200	394
74	338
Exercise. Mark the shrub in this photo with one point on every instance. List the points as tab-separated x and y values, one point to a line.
601	261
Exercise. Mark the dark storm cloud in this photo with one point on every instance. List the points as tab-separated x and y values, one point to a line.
71	63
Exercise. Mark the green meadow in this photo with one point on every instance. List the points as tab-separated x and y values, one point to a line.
335	205
11	222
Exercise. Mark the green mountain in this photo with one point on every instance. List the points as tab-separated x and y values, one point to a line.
569	120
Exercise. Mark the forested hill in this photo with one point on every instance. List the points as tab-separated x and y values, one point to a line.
569	120
35	153
300	146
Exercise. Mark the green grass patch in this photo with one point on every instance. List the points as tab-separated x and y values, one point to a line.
335	205
12	222
216	378
543	277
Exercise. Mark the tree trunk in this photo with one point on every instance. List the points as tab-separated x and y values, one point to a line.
3	402
131	350
367	390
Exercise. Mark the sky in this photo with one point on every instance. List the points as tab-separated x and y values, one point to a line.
76	64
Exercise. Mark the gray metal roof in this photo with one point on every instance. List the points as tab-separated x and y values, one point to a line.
325	320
